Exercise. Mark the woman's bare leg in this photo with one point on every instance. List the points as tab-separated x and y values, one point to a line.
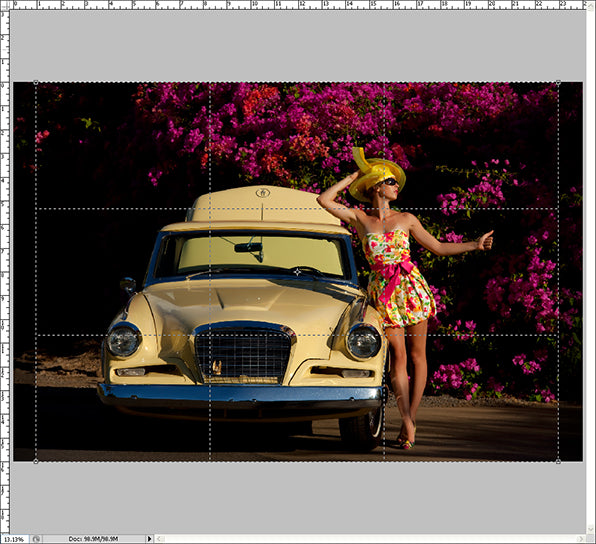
399	378
417	347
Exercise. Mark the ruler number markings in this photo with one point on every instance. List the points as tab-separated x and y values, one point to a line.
5	369
6	6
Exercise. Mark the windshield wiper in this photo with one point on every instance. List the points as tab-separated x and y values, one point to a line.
296	271
203	272
219	270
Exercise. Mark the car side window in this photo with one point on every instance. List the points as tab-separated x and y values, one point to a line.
171	247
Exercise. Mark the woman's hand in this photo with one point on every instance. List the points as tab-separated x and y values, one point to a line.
328	197
352	177
485	242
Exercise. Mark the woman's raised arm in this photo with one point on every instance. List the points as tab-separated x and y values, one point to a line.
428	241
327	200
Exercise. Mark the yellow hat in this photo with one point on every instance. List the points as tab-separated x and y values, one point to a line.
374	170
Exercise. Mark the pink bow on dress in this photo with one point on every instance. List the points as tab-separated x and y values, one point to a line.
392	273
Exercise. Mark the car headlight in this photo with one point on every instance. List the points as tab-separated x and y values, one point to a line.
123	340
363	341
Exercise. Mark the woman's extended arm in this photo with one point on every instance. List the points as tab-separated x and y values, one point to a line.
327	200
428	241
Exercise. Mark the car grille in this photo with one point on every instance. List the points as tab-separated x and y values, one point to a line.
242	355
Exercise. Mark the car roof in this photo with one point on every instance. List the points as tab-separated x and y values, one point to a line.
261	203
255	225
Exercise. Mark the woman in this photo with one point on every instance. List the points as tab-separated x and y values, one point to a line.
396	287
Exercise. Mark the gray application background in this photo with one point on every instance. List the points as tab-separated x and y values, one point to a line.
298	498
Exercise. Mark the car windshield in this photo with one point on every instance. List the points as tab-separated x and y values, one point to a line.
195	254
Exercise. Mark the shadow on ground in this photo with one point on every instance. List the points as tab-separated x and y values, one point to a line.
72	425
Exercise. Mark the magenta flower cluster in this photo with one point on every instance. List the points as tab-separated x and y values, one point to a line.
527	367
461	378
268	130
488	192
531	290
463	331
544	394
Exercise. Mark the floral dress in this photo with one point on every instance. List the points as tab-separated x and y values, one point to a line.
397	289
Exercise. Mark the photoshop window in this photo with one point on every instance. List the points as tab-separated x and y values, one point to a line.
298	275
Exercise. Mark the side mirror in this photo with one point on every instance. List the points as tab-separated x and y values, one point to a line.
128	285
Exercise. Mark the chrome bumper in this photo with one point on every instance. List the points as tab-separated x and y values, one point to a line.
244	401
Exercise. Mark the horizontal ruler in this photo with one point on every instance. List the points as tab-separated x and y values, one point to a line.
297	4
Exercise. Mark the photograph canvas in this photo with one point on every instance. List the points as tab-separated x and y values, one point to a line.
102	168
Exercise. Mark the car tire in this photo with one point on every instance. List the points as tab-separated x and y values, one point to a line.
363	433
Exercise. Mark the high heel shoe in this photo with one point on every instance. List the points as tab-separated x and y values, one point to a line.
405	445
403	442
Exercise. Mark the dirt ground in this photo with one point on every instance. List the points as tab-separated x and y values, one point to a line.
79	367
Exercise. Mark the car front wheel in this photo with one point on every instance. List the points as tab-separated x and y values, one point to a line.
362	433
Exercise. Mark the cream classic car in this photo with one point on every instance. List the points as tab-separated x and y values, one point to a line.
251	310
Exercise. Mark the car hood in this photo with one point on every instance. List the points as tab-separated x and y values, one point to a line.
307	307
